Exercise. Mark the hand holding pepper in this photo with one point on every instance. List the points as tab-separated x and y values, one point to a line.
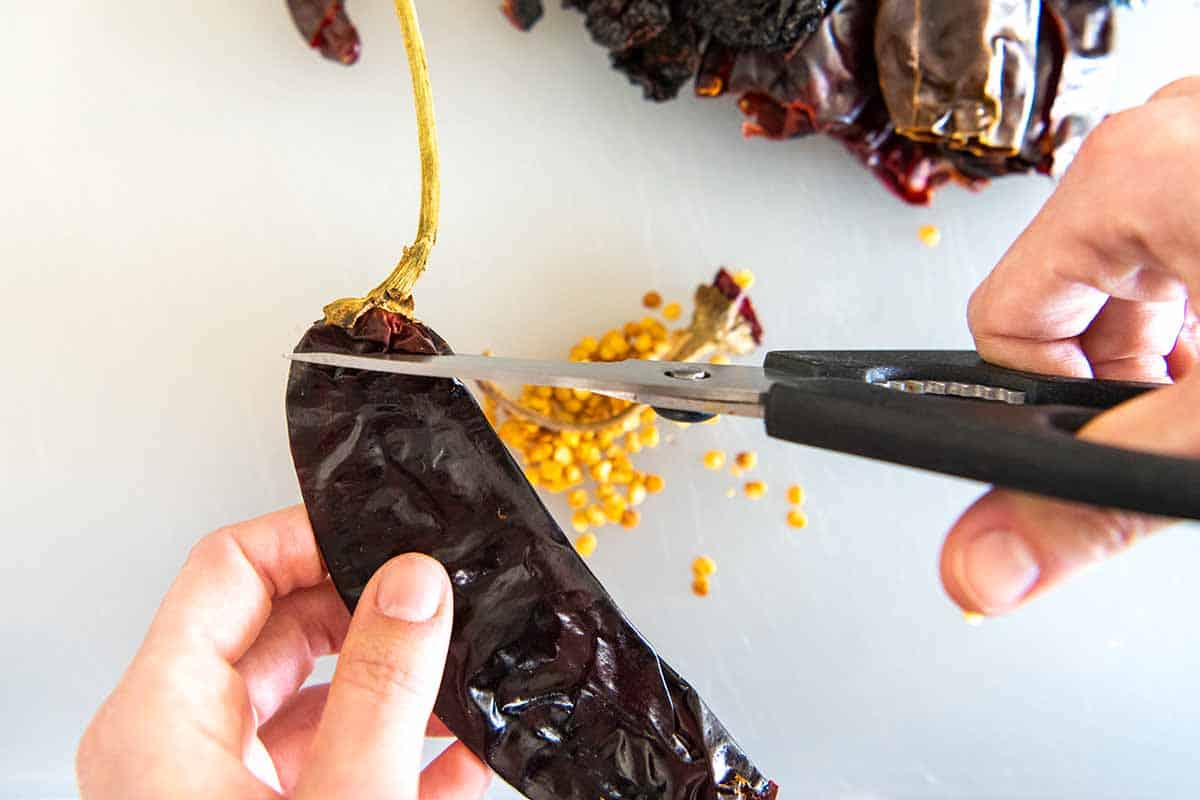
212	704
1097	286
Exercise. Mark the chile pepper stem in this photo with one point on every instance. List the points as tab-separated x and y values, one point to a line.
395	293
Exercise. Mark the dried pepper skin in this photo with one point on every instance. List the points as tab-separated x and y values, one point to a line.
325	26
545	680
959	72
758	24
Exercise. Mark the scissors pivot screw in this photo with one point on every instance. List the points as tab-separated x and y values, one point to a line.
688	374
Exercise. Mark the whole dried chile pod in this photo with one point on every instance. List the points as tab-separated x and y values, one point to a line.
545	680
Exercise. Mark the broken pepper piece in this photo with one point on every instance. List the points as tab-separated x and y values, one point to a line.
325	26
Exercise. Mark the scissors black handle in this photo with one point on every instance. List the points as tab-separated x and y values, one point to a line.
861	402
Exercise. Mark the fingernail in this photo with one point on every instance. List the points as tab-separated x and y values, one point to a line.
997	570
410	588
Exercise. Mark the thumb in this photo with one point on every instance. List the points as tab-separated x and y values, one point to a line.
1009	547
370	737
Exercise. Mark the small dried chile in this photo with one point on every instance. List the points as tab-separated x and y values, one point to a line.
545	679
759	24
523	14
325	26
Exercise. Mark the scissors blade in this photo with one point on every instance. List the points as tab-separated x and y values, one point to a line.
680	386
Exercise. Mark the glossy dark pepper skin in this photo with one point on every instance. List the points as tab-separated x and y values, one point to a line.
546	680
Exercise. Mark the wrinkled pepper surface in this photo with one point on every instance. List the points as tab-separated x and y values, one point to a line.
546	680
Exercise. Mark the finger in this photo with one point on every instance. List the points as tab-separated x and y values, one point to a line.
1130	340
181	676
303	626
222	597
371	734
1091	241
1183	87
288	735
1009	547
1186	355
456	774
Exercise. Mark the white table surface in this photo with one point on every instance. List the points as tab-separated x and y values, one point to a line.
186	185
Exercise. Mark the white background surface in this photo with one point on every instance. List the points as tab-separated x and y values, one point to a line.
186	184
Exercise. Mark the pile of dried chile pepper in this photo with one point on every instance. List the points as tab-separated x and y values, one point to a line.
923	92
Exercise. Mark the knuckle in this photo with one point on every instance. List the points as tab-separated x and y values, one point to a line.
1181	87
383	678
213	548
1113	530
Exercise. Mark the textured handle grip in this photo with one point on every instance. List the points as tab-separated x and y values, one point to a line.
1025	447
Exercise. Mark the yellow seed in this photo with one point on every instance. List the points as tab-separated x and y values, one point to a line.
795	494
652	299
531	476
614	507
755	489
929	235
602	471
704	566
573	406
973	618
578	499
579	521
542	452
648	416
586	544
550	470
637	494
622	476
746	460
595	515
562	454
714	459
630	519
655	484
562	395
672	311
544	392
643	343
744	278
700	587
581	394
606	490
649	437
797	519
633	442
590	454
572	474
719	358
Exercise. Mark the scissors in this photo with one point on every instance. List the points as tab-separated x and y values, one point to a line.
947	411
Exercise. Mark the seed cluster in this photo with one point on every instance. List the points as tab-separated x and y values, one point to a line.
595	464
585	444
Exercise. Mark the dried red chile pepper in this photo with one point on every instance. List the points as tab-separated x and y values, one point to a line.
821	72
1019	93
546	680
325	26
